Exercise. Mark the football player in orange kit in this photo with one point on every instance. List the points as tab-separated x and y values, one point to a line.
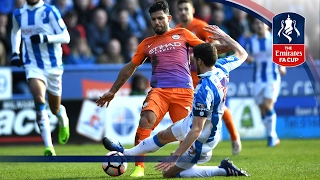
171	82
185	12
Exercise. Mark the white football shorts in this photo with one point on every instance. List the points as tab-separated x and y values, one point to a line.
269	90
198	153
51	77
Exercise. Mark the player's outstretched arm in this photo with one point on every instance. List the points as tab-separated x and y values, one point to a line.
63	38
124	74
238	50
194	133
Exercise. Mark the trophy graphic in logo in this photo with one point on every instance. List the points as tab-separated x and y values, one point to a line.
286	31
288	47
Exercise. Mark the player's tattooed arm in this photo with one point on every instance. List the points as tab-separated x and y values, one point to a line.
125	73
123	80
222	48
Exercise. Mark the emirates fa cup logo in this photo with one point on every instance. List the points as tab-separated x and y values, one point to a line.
287	27
288	47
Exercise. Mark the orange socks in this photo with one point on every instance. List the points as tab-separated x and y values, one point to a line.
228	120
141	134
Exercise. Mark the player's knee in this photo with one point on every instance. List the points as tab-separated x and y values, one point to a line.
161	136
263	109
146	123
147	119
166	136
38	99
268	104
268	107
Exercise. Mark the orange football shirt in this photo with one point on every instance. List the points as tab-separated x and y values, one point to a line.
169	58
196	27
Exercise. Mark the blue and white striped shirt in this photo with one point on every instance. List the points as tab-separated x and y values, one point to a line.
38	19
210	94
260	49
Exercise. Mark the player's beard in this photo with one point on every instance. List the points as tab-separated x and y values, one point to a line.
184	18
32	3
160	30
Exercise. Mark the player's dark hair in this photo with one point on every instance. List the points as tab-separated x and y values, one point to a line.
185	1
159	6
207	53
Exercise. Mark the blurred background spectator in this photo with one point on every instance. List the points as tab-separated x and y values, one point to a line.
3	55
136	18
99	32
139	85
75	30
218	18
130	48
203	12
120	27
238	26
84	10
5	33
63	6
80	53
107	5
112	53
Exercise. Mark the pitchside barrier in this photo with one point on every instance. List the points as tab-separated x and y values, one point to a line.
298	115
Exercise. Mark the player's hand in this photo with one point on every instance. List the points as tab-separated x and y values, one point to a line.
15	60
216	31
249	59
167	163
39	38
106	98
282	70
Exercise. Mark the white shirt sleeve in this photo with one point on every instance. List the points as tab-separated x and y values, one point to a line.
15	36
63	38
57	23
228	63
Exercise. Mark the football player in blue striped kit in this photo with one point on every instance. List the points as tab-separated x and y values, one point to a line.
200	131
266	77
42	30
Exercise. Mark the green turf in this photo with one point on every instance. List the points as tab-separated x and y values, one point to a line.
293	159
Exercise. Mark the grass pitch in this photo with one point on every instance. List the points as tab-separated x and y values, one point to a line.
292	159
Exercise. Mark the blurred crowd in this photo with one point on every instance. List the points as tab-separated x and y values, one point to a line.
109	31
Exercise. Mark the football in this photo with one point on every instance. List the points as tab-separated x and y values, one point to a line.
116	165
